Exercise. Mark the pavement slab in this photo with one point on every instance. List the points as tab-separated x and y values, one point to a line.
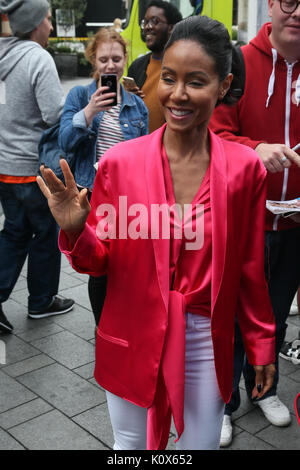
24	413
54	431
12	393
286	438
7	442
63	389
23	367
17	349
96	421
67	349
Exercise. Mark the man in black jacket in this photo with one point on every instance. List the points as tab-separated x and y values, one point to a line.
157	25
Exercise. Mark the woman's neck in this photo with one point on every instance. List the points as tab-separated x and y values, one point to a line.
187	146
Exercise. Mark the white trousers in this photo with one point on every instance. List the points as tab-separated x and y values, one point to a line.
203	404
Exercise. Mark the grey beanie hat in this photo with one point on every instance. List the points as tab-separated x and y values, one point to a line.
24	15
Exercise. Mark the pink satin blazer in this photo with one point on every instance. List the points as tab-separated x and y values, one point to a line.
137	324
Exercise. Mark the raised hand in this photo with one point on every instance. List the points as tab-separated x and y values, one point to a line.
69	207
100	101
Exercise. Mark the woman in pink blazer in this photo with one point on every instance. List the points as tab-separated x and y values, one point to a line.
177	222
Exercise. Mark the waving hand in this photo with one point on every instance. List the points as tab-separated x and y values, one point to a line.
69	207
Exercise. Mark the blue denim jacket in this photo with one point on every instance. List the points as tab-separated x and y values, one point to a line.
74	133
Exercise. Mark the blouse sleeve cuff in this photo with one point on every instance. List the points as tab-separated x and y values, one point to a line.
82	252
261	352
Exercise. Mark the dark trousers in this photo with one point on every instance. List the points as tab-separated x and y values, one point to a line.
29	230
97	292
282	271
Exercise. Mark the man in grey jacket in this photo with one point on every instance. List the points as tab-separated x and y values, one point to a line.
31	100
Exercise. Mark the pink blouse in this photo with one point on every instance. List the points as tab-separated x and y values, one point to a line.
191	269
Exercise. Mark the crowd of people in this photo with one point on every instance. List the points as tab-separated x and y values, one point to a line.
191	278
272	63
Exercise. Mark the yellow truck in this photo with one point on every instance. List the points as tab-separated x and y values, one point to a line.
221	10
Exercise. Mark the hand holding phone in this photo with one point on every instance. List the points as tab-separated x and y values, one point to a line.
129	83
110	80
103	99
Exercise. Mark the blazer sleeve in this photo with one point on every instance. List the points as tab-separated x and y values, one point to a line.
91	250
254	313
225	122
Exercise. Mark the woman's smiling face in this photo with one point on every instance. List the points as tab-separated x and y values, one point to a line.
110	58
189	86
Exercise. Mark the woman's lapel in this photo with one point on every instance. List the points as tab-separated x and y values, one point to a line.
218	194
157	196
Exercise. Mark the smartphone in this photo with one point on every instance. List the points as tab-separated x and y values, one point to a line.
110	80
129	83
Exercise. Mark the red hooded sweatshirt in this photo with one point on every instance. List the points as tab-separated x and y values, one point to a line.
269	111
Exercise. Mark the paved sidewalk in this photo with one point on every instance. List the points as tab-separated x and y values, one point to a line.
50	400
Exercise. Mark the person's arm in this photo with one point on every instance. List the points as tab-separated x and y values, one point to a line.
254	312
73	127
144	115
46	86
225	122
76	120
99	102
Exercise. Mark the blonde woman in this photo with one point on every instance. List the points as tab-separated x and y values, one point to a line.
89	118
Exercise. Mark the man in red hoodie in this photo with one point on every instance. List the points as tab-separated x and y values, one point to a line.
267	119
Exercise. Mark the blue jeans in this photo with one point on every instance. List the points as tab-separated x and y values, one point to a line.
282	271
29	229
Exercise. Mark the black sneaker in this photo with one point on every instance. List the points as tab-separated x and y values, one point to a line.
291	351
4	323
57	307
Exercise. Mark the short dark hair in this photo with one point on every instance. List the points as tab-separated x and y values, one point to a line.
23	36
171	13
215	40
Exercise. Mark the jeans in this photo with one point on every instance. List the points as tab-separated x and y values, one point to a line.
282	271
29	229
203	404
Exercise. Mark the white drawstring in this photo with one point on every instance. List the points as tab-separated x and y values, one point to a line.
272	78
298	91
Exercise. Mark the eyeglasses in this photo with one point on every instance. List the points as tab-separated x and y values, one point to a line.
153	21
288	6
